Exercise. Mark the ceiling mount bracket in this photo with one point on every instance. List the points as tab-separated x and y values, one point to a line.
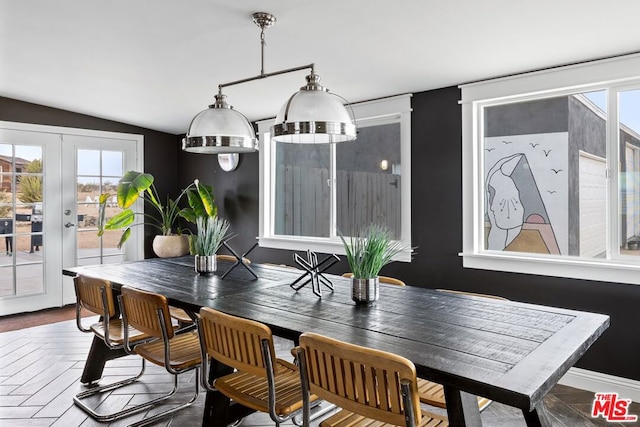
263	19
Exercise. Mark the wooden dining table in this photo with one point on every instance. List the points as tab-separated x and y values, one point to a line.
507	351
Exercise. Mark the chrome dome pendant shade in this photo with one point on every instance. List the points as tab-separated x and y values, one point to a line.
310	116
220	129
314	116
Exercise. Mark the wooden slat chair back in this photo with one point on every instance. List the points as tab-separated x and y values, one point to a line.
472	294
238	342
182	316
364	382
383	279
95	295
261	382
225	257
142	309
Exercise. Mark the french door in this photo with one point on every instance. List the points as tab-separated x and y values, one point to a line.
50	180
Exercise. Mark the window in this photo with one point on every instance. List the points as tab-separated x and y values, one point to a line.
312	193
551	172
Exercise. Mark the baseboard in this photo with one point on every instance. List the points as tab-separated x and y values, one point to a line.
598	382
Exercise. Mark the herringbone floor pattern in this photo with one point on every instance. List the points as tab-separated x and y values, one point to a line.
40	368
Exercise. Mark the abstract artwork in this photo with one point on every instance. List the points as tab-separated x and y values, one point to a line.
526	188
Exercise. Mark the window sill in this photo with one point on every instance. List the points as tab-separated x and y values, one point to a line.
618	271
316	245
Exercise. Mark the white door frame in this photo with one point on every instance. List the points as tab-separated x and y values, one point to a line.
94	140
59	289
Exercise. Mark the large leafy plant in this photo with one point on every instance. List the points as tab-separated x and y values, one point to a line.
201	202
134	185
370	249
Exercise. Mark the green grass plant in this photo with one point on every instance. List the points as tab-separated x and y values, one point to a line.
211	233
370	249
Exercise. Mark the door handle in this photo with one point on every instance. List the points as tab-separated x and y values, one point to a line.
69	224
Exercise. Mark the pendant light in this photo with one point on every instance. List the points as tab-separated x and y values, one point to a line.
314	116
311	115
219	130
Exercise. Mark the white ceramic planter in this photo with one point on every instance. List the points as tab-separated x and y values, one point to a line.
170	246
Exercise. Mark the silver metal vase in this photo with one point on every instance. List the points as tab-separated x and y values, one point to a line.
205	264
365	291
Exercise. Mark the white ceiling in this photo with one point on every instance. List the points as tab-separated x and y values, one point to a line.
156	63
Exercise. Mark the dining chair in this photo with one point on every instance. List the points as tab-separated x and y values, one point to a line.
178	352
184	317
261	381
96	296
472	294
279	265
231	258
368	385
382	279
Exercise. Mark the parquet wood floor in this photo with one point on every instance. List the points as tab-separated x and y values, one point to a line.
40	367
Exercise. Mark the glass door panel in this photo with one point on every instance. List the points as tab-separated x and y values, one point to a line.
45	226
98	173
628	130
28	206
93	165
22	219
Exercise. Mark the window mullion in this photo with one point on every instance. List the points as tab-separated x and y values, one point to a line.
333	208
613	177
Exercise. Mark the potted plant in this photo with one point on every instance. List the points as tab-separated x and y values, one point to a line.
367	252
170	241
205	243
633	242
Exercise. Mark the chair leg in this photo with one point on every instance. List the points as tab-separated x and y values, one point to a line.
132	410
77	399
160	415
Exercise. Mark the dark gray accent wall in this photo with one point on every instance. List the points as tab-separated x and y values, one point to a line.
236	193
160	149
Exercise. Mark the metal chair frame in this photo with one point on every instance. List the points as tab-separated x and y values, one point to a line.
106	316
164	325
128	345
175	373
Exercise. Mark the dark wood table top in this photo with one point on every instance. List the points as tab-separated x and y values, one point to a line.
507	351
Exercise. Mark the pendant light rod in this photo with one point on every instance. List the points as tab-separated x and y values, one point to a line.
265	20
265	75
263	43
